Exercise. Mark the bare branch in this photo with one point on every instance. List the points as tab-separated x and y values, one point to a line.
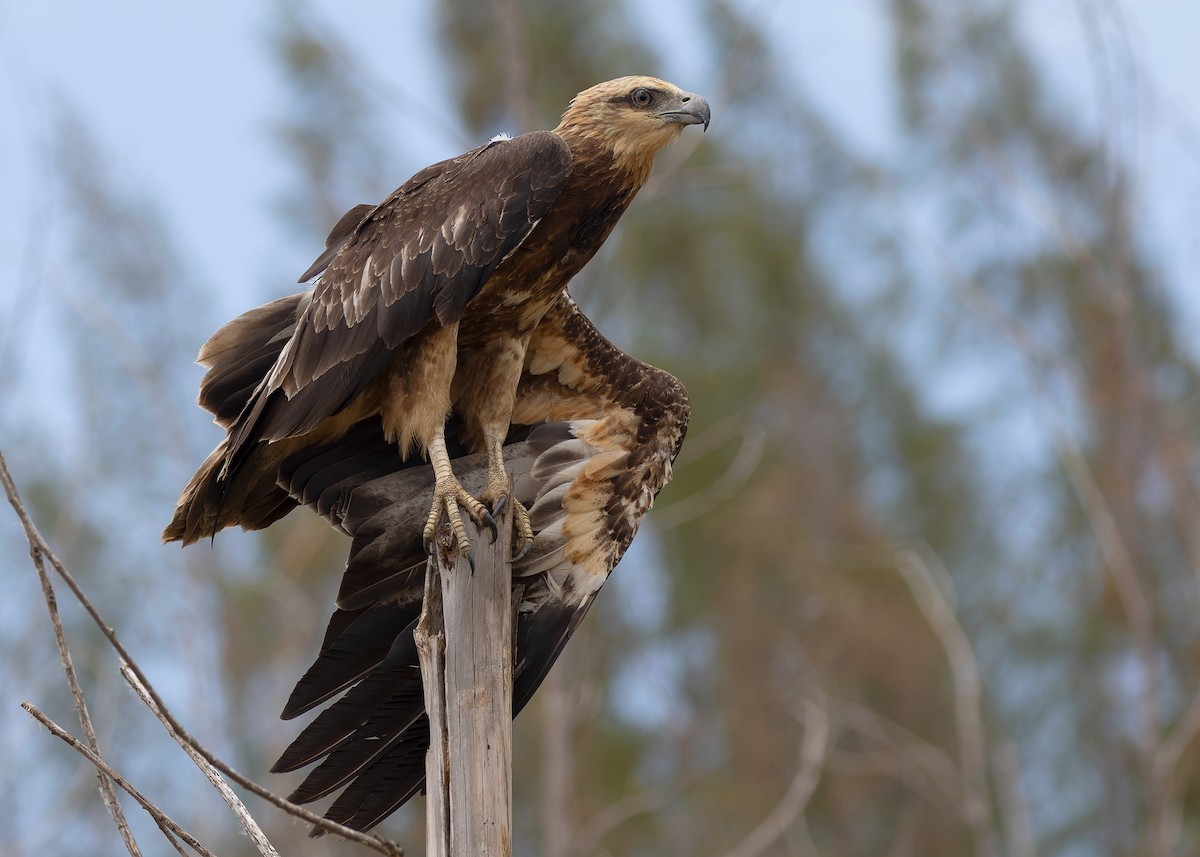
935	603
60	638
157	814
808	774
1166	775
38	544
587	840
1019	837
919	765
227	794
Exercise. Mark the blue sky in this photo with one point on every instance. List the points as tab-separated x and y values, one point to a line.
181	96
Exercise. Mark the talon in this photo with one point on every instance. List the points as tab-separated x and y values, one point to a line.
448	498
524	530
490	522
497	510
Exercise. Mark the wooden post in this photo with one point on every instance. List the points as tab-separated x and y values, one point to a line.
430	636
466	665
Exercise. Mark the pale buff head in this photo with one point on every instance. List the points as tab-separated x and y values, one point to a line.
633	117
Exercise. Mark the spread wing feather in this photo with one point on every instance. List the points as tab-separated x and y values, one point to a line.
387	272
587	476
594	432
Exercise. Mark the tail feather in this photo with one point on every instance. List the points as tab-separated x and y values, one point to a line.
209	504
238	357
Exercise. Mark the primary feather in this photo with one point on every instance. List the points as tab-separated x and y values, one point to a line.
442	312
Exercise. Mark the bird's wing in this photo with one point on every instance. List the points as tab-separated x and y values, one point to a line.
386	272
242	352
592	441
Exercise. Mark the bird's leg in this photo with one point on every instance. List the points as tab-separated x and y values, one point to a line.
497	490
448	496
486	394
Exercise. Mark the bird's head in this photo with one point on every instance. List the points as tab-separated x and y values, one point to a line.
633	117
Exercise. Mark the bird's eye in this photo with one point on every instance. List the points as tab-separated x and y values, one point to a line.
641	97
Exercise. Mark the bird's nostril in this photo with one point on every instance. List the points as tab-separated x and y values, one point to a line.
686	99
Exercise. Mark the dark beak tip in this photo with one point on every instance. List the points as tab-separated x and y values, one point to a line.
702	110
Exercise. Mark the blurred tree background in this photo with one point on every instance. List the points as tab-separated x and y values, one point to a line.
926	582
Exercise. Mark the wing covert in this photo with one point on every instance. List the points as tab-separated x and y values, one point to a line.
420	255
593	437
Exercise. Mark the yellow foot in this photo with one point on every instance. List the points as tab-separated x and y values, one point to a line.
448	497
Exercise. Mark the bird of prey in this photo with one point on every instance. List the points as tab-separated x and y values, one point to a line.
438	355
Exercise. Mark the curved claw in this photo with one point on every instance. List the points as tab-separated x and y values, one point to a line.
489	521
521	555
448	498
524	528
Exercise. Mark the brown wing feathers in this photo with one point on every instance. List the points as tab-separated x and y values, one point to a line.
592	436
284	369
577	476
566	472
422	254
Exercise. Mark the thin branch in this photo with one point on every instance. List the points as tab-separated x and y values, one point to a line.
935	603
808	774
587	840
244	818
1019	837
919	765
1167	775
64	654
38	543
157	814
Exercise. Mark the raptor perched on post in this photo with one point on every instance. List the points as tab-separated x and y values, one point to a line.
440	327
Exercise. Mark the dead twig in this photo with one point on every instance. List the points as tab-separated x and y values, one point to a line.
85	721
587	840
814	710
107	771
936	605
39	546
242	814
1169	823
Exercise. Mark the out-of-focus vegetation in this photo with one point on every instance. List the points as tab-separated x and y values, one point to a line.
926	580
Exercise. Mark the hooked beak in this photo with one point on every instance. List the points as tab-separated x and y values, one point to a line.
691	109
